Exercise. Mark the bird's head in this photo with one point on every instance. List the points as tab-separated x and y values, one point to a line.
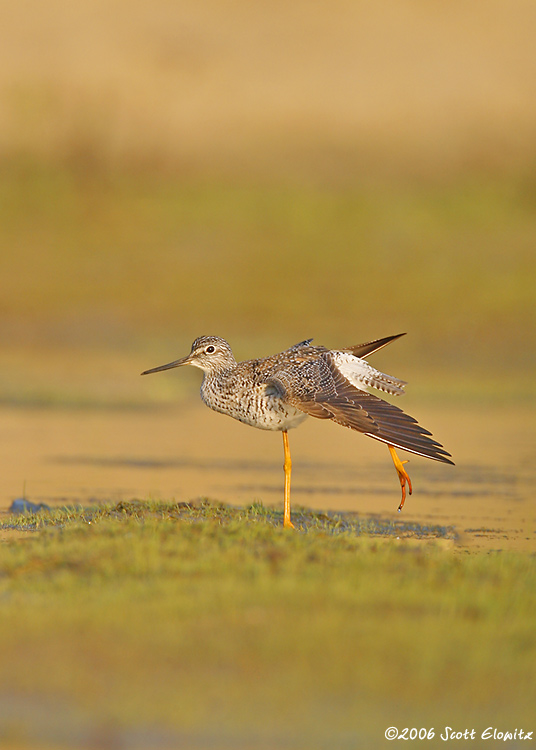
210	353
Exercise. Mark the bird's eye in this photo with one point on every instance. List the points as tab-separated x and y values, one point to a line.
209	349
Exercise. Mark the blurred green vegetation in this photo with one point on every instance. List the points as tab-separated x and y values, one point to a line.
266	174
129	262
218	623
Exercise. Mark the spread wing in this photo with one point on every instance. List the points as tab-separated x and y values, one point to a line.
316	386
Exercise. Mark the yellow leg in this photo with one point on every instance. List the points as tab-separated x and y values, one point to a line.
402	475
287	523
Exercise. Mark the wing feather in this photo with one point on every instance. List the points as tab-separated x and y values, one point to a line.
361	350
316	386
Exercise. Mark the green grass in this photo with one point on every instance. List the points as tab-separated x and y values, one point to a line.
217	625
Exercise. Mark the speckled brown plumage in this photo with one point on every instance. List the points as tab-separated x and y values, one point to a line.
280	391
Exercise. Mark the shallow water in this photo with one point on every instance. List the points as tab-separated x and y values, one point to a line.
186	452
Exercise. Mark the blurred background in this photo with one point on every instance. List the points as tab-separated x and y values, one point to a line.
266	172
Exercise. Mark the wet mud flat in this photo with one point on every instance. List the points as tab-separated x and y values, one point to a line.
63	457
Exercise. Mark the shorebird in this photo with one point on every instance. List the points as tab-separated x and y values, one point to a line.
279	392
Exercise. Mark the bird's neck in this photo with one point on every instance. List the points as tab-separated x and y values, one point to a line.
216	373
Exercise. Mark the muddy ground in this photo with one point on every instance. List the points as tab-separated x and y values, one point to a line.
61	456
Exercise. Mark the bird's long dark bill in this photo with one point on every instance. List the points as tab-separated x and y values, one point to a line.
169	366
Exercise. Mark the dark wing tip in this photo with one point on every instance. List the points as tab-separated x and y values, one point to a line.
361	350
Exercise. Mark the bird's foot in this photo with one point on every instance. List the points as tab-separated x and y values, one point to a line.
403	476
287	523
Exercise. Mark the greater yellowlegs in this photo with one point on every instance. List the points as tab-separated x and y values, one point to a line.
279	392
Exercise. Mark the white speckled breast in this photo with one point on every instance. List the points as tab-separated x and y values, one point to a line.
258	406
